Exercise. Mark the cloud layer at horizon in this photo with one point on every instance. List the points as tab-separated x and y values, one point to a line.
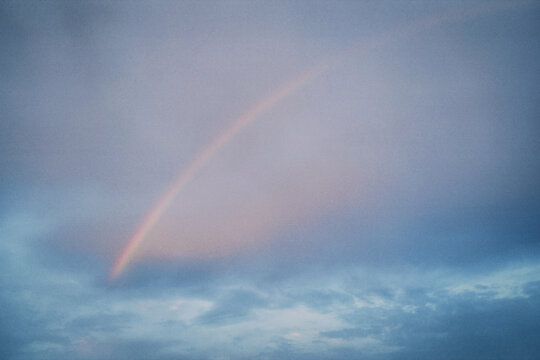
387	209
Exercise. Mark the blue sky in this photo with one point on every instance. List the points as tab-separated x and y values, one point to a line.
385	209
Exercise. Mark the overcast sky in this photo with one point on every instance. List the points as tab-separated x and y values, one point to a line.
387	207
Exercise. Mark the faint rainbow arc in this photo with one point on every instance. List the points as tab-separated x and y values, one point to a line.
228	133
202	158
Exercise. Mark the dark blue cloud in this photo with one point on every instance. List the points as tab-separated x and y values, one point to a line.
102	323
472	327
348	333
456	327
232	307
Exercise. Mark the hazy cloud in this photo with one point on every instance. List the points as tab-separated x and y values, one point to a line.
386	209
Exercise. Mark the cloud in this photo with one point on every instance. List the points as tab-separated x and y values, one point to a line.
102	323
233	308
472	326
350	333
387	210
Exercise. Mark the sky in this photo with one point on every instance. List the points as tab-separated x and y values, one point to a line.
269	179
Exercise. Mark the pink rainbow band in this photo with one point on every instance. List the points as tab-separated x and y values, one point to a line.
201	159
290	87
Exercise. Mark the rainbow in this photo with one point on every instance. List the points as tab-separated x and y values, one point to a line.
187	173
202	158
